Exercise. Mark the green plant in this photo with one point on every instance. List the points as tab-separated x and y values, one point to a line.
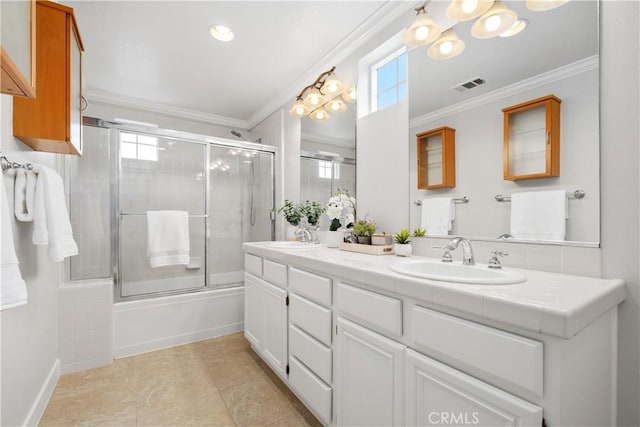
312	210
291	212
364	228
419	232
402	237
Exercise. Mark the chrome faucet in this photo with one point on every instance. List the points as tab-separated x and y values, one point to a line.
467	250
303	232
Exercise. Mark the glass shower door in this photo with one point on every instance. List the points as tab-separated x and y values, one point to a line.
241	198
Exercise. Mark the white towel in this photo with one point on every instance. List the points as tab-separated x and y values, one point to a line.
539	215
24	191
51	224
168	238
438	214
13	291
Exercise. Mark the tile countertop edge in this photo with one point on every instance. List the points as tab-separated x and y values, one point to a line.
562	319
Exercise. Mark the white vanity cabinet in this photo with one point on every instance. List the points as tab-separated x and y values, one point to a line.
369	378
365	347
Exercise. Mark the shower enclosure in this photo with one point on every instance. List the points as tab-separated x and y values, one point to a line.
227	188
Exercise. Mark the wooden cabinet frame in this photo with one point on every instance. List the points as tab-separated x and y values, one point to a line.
551	135
447	161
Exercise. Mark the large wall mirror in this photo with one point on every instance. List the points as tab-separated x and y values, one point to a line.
557	54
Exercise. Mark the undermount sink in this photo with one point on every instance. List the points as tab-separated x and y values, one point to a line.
450	272
292	245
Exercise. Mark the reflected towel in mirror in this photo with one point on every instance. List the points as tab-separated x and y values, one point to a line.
539	215
438	214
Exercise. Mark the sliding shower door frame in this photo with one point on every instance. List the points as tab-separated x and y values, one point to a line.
182	137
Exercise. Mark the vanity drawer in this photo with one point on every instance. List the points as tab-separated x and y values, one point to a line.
253	264
311	318
376	309
315	355
275	273
312	286
498	354
311	389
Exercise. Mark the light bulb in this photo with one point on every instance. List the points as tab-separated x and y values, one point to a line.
422	33
334	106
332	87
446	47
320	115
469	6
492	23
300	111
314	100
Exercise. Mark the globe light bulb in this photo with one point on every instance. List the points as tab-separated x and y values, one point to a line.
300	111
314	100
422	33
446	47
469	6
320	115
492	23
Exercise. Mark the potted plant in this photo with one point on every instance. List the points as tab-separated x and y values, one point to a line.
419	232
402	247
363	229
312	211
341	209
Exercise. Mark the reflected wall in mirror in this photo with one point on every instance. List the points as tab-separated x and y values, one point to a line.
556	54
328	158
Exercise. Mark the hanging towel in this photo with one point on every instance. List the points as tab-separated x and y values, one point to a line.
24	191
51	224
168	238
539	215
438	214
13	291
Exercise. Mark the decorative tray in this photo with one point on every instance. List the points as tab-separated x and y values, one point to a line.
367	249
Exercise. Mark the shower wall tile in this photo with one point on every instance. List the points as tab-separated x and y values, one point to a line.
85	322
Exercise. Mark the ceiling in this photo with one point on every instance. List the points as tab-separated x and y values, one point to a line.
161	52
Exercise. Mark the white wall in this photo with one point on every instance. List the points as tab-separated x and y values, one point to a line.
29	333
382	173
479	167
620	206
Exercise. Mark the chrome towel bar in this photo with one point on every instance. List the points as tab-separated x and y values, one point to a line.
577	194
464	199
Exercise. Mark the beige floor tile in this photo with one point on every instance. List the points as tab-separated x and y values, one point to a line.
256	403
233	369
292	419
217	347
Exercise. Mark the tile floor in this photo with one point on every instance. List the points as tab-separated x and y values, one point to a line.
218	382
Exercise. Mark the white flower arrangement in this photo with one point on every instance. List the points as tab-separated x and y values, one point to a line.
341	209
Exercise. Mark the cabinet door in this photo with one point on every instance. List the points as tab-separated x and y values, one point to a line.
439	395
274	344
253	310
369	378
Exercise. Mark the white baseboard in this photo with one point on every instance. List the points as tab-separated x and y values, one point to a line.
39	406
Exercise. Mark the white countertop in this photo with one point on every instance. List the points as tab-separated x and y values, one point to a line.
554	304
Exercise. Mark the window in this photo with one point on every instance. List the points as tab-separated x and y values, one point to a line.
324	169
139	147
389	80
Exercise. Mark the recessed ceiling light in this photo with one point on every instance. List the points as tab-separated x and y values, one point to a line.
221	32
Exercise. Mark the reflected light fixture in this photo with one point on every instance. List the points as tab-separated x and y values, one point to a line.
423	30
321	98
464	10
542	5
447	46
221	32
516	28
493	22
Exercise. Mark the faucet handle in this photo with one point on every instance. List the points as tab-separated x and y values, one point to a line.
446	256
494	261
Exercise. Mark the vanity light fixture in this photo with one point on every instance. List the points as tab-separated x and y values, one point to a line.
423	30
516	28
493	22
221	32
542	5
321	98
464	10
447	46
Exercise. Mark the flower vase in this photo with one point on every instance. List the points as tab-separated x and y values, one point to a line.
290	232
403	250
333	238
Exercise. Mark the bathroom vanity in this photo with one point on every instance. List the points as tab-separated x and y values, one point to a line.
361	344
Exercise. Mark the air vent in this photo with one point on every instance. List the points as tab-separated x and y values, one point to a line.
463	87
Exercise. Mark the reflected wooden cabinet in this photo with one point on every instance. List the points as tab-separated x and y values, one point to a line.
18	48
532	139
52	121
436	158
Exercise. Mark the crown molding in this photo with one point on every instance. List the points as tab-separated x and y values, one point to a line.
561	73
323	139
120	101
377	21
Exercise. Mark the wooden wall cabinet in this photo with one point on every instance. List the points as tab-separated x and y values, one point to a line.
532	139
18	48
53	121
437	158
